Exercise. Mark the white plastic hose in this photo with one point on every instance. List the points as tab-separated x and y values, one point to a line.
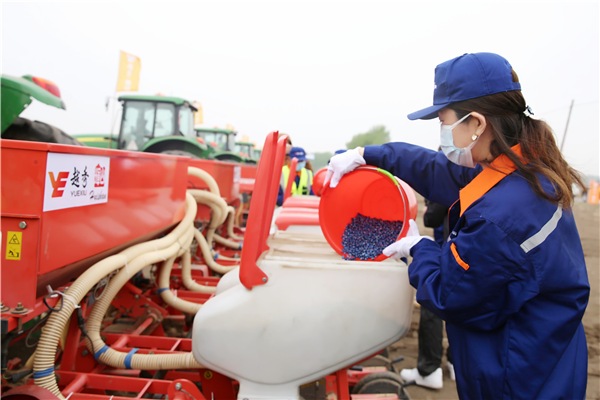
208	257
186	276
130	261
49	339
240	210
167	295
226	242
217	206
207	178
116	358
225	258
230	223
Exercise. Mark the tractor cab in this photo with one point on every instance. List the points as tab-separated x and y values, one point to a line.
154	124
159	124
221	143
246	151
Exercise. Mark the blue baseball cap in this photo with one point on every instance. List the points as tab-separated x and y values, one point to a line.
467	77
299	153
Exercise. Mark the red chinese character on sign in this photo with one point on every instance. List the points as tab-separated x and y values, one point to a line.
99	176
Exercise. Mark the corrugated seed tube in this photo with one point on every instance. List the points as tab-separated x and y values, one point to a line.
46	350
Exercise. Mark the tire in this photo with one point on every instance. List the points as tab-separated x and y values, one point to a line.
227	158
377	361
180	153
382	382
36	131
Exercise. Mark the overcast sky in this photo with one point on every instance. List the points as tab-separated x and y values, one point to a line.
321	71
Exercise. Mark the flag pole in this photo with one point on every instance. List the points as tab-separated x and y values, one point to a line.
112	120
562	143
127	81
112	116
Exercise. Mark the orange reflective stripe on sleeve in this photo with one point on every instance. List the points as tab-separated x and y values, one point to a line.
457	257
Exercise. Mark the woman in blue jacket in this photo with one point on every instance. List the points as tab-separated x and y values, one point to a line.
511	280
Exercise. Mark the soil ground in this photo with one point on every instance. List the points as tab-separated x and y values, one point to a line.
588	224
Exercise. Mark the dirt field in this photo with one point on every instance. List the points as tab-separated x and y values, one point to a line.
587	218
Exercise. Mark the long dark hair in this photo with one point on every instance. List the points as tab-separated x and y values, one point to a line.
504	113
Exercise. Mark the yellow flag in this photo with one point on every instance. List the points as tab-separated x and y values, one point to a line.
198	115
230	127
129	73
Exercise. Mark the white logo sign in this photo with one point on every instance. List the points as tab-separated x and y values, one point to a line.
74	180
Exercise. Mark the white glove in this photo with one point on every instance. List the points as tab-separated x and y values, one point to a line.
341	164
402	247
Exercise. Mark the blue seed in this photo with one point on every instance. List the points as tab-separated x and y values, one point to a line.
365	238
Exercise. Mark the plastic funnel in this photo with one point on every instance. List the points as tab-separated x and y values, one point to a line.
370	191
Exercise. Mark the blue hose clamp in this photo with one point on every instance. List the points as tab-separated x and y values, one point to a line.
41	374
101	351
128	357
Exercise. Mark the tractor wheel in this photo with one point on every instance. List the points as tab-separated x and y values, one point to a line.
179	153
227	158
36	131
382	382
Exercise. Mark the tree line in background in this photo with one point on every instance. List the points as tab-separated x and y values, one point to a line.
376	135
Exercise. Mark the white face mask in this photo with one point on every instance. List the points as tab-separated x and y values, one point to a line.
457	156
300	165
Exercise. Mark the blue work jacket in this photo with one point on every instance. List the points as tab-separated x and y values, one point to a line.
510	281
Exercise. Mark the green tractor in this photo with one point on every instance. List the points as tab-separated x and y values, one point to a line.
154	124
17	95
246	151
221	142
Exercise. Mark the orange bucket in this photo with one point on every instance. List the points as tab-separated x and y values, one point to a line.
369	191
318	181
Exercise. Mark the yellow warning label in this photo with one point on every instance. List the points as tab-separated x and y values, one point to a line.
13	245
208	374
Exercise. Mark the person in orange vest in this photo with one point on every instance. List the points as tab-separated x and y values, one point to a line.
303	178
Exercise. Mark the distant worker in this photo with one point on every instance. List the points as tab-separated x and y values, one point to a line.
286	163
303	179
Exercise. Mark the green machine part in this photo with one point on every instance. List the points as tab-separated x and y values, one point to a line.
248	149
17	93
143	129
178	145
101	140
220	142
